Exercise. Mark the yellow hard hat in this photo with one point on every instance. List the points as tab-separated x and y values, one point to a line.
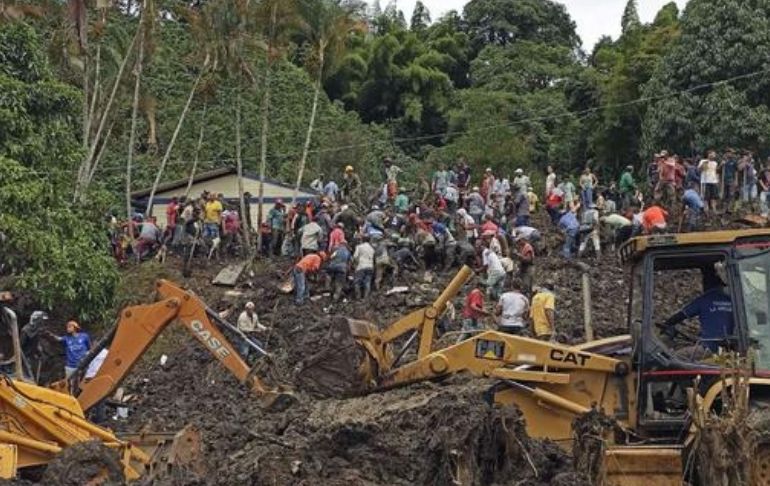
349	168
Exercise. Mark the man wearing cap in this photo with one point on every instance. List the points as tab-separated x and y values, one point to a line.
543	312
521	182
76	344
248	323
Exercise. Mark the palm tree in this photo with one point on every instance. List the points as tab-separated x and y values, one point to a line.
277	16
327	24
201	34
231	29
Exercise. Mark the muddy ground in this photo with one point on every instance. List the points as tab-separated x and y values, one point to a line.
425	434
428	433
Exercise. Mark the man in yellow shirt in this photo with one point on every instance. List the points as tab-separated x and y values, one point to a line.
533	201
212	217
542	312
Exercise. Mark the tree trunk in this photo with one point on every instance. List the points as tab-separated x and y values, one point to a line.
94	96
265	126
197	155
167	155
85	166
132	133
239	168
311	125
100	154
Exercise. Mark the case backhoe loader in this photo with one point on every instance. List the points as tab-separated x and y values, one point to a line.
642	381
37	423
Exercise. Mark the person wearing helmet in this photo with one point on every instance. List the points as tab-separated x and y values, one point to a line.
76	344
351	185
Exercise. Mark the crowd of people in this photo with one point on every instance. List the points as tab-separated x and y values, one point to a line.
347	243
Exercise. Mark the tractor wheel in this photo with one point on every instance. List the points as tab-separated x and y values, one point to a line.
86	463
758	422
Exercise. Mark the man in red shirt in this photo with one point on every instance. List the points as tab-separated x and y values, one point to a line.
473	312
309	264
336	237
172	211
654	220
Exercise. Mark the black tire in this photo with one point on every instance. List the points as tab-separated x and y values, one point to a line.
85	463
758	423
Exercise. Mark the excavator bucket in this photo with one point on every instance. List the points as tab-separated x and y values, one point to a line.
642	466
343	368
357	353
172	455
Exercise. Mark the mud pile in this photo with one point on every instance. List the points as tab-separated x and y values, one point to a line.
425	434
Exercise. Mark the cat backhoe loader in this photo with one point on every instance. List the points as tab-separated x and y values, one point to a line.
37	423
643	382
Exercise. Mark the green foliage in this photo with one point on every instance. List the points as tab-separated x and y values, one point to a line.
504	22
614	80
49	247
420	17
630	19
718	115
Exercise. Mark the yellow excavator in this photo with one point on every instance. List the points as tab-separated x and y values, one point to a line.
37	423
642	381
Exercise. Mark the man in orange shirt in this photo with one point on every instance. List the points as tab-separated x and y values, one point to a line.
308	264
654	220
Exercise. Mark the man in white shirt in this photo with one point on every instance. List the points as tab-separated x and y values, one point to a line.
363	259
495	272
550	182
709	180
513	309
310	237
248	323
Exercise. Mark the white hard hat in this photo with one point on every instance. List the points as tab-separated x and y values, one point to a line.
250	305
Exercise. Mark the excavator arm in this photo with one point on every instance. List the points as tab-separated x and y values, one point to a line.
139	326
497	355
489	354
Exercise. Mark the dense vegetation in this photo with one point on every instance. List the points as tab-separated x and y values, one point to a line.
101	98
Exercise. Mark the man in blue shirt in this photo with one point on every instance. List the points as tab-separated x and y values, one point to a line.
76	344
568	223
695	207
714	310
